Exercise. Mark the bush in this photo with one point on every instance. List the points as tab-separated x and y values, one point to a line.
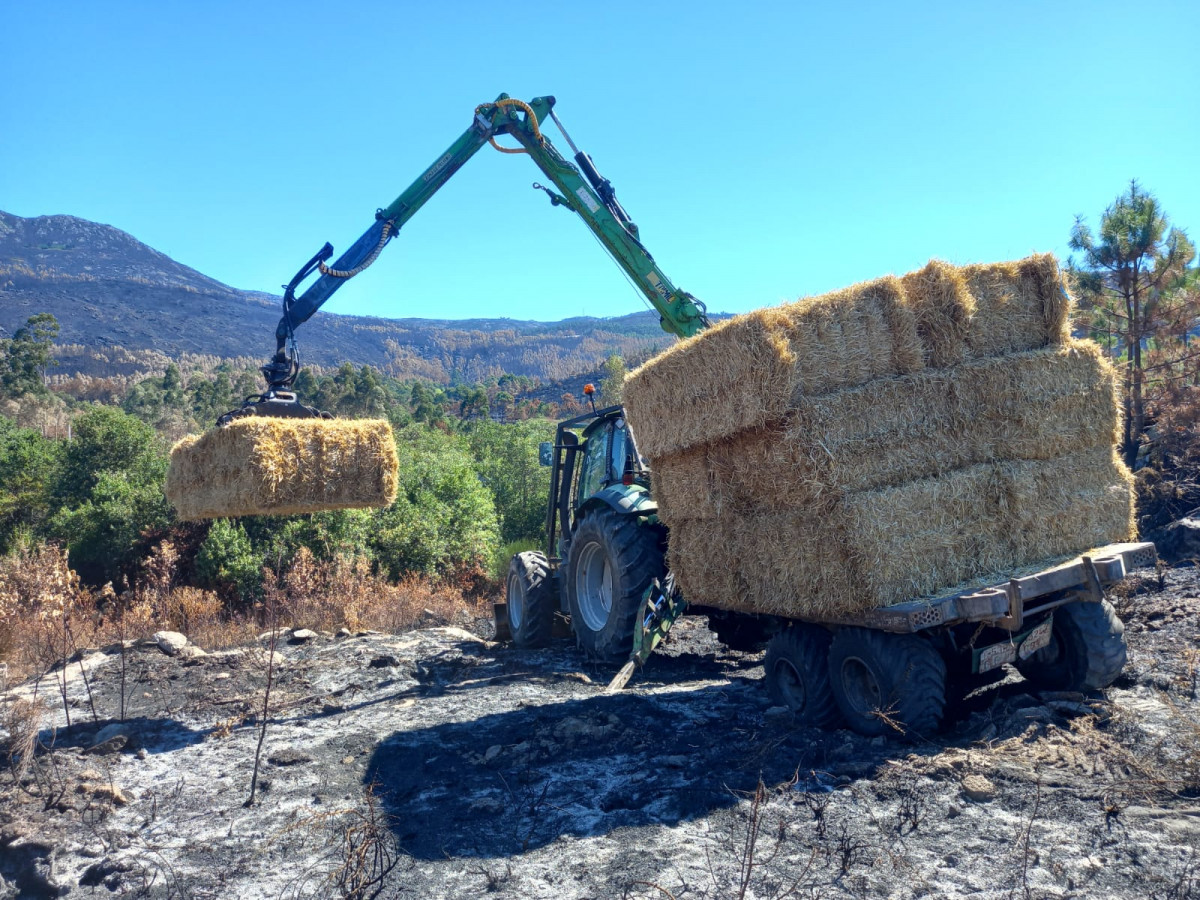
443	518
227	563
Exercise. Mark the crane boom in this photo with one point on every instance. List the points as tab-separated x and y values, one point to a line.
580	188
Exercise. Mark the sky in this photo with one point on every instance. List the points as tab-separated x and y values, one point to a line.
766	150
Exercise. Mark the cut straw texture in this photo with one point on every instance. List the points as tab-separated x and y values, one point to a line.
271	466
1035	405
883	443
876	548
750	370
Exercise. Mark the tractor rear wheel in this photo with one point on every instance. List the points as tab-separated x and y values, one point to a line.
1086	650
529	604
887	683
611	564
797	674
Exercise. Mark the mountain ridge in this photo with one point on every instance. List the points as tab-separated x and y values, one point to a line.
109	290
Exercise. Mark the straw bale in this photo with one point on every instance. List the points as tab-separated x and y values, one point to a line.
1019	306
876	548
1037	405
750	370
747	371
943	306
270	466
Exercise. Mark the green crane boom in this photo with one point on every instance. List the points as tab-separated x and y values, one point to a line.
580	188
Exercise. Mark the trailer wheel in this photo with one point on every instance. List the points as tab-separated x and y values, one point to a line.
612	562
797	674
1086	650
528	617
739	631
884	683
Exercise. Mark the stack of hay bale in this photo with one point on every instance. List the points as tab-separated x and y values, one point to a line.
883	442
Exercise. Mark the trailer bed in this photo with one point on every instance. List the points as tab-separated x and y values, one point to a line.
1006	604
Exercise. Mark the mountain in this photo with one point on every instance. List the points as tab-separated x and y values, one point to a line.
125	307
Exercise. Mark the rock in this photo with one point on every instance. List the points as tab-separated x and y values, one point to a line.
301	636
1069	708
192	654
142	754
109	731
777	715
170	642
492	752
1177	542
221	676
387	661
343	632
675	762
978	788
114	744
288	756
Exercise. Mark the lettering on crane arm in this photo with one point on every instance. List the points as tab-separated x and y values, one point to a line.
436	167
659	286
588	200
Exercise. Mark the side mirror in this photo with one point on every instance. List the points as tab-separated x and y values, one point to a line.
546	453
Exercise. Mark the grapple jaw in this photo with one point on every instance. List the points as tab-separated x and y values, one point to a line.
277	404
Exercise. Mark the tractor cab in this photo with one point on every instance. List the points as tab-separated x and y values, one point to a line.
595	463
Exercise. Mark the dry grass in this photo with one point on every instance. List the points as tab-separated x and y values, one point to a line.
54	618
751	370
283	466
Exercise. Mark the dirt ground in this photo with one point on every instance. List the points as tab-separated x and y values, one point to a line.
437	764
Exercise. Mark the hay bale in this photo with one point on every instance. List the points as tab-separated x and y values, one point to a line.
943	307
750	370
1036	405
747	370
876	548
1018	306
269	466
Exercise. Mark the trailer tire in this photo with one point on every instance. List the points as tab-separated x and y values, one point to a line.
887	684
1086	650
612	562
739	631
797	674
529	602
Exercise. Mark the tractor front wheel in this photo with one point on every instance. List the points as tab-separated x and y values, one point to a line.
612	561
528	617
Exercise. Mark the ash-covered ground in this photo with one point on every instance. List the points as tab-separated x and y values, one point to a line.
438	764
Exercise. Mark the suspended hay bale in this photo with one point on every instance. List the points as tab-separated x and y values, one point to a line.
1037	405
269	466
1018	306
746	371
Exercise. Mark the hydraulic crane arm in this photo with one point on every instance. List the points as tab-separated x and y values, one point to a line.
582	190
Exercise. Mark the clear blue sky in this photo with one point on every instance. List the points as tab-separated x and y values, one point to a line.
767	150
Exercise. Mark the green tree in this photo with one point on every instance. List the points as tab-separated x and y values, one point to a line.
1132	278
443	516
27	464
227	563
25	358
613	384
506	457
108	488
